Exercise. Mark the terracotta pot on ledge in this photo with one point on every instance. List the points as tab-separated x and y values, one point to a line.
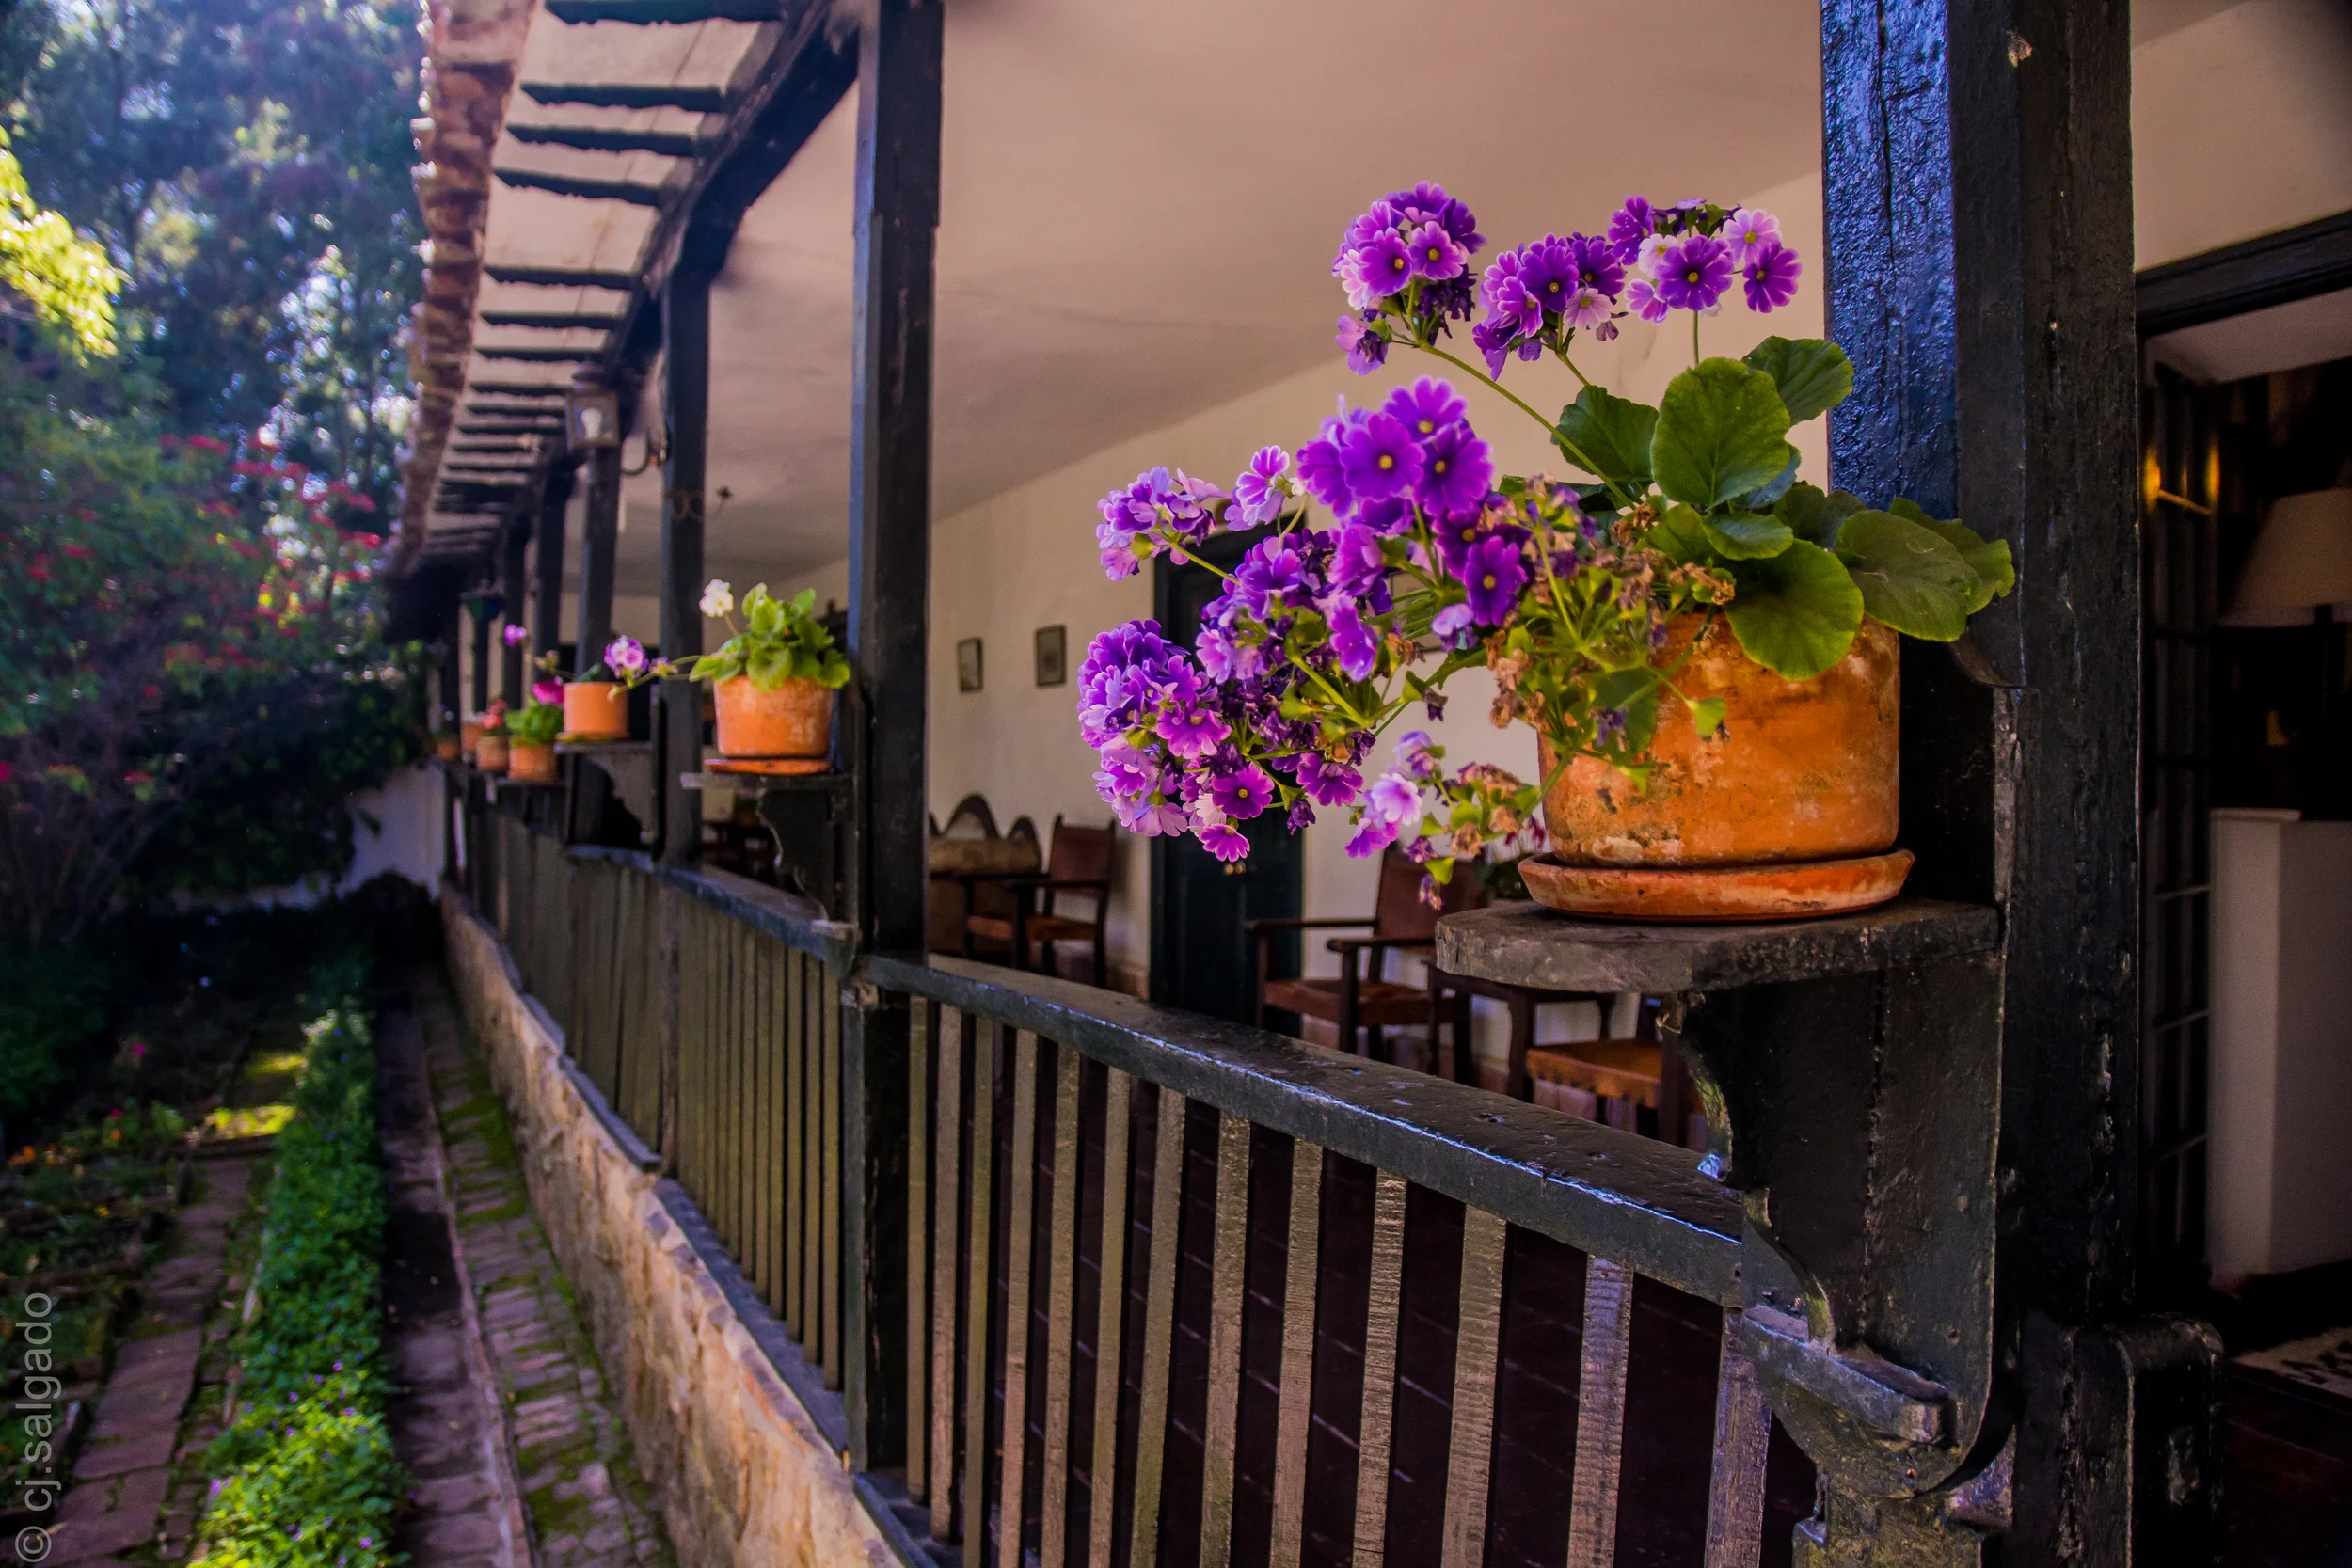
469	737
489	754
527	763
793	722
445	747
596	710
1789	810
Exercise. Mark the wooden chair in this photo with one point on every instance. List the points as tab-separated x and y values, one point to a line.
1079	861
1366	998
1643	1073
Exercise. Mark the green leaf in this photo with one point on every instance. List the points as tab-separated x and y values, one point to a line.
1762	498
1720	435
1635	690
1796	612
1813	375
1681	536
1608	435
1813	516
1997	574
1745	536
1910	576
1706	715
770	665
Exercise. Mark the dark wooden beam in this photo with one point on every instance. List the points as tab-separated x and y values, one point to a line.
547	618
2312	258
517	448
597	533
630	191
561	278
513	586
603	321
663	12
814	80
600	139
510	427
629	95
897	218
534	391
686	412
541	355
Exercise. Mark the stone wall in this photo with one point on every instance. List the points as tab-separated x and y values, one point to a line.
745	1474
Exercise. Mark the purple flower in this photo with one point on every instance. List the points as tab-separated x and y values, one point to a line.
1384	265
515	634
1380	457
1300	818
1643	298
1358	559
1547	271
1257	494
1450	623
1770	277
1244	795
1596	265
1436	254
1321	470
1693	271
1224	841
1159	498
1629	225
1270	572
547	691
1417	754
625	656
1425	407
1750	231
1392	801
1390	515
1587	309
1192	732
1457	470
1355	645
1427	201
1608	725
1494	576
1330	784
1367	351
1461	534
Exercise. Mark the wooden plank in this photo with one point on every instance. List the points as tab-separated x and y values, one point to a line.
1019	1230
795	1173
686	412
1743	1428
1229	1256
828	1023
1478	1340
920	1032
974	1475
1061	1272
1110	1314
1375	1427
953	1041
1159	1330
1296	1409
1600	1414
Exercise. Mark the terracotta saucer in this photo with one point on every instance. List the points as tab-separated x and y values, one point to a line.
775	767
1790	890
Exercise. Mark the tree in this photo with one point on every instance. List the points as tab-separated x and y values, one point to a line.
65	282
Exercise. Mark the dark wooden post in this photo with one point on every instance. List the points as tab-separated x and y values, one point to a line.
480	659
1977	163
546	609
686	411
513	587
890	449
452	695
596	532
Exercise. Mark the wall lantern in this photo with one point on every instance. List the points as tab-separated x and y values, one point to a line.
591	418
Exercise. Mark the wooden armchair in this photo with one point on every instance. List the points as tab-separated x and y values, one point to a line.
1077	861
1361	997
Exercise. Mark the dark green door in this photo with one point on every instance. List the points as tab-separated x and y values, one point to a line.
1201	955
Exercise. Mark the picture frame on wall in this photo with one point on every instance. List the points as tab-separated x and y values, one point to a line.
1053	655
968	664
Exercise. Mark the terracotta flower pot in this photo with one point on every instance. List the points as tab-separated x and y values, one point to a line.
1798	792
596	710
530	764
469	737
445	747
793	720
489	754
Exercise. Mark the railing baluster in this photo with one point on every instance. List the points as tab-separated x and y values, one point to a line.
919	1034
974	1472
955	1030
1227	1258
1019	1228
828	1002
1743	1430
1600	1414
775	1187
761	1193
1110	1311
1159	1328
795	1140
739	1054
1061	1236
1477	1339
1379	1404
1296	1410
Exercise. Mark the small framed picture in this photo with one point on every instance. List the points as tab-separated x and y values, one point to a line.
1053	655
968	664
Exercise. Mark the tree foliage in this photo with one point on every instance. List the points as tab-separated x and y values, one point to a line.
66	281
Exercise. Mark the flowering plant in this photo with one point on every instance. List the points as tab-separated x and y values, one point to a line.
493	719
537	722
624	663
1433	562
778	641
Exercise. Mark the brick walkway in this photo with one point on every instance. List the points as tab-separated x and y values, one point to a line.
585	1503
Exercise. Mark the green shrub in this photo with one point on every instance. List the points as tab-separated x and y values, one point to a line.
305	1477
54	1004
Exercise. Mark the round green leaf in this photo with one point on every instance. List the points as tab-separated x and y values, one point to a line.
1721	433
1813	373
1911	578
1997	574
1607	435
1797	611
1743	535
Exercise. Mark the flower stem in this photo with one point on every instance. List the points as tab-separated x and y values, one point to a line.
1695	340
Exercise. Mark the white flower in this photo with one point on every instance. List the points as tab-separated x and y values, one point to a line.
718	599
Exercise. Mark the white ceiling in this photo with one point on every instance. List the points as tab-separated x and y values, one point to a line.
1141	202
2304	332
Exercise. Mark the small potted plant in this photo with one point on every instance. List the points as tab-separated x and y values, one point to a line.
596	707
447	742
1705	648
489	751
775	680
531	732
470	738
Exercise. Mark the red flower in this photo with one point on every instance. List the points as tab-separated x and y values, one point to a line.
79	553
